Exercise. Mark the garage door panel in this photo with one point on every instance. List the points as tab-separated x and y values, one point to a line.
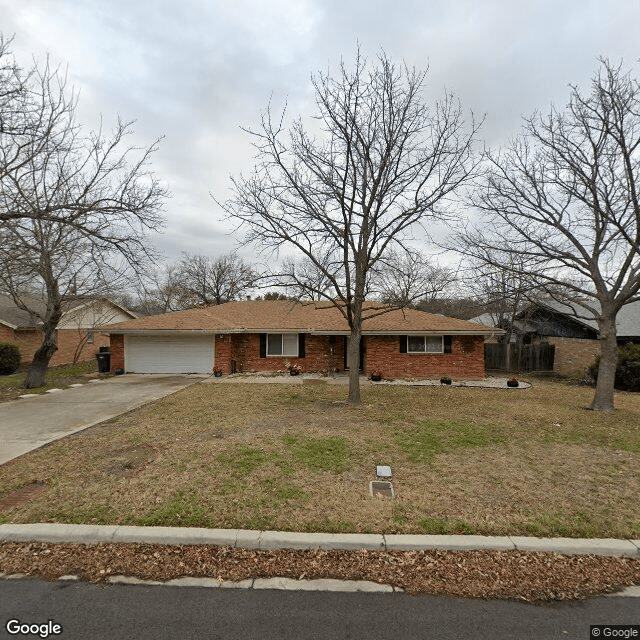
169	354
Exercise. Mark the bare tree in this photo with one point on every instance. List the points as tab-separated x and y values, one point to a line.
204	280
158	291
74	207
505	291
31	110
410	279
564	199
307	280
195	280
45	266
276	295
104	192
383	162
456	306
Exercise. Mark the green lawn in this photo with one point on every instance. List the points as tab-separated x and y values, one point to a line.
464	460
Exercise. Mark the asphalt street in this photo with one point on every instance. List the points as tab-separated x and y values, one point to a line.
84	610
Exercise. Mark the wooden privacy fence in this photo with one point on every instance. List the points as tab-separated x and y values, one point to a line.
521	357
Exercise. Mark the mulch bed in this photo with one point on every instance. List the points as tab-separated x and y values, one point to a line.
525	576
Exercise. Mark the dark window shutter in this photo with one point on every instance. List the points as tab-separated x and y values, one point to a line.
263	345
447	344
301	353
403	344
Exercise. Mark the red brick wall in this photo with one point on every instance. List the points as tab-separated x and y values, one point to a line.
117	352
223	350
465	361
67	340
242	353
573	355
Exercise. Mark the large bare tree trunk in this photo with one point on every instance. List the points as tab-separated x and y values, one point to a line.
354	365
40	363
36	374
354	346
507	351
603	399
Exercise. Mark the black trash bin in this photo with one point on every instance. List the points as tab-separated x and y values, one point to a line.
104	360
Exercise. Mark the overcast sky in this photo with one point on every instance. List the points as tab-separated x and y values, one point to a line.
194	71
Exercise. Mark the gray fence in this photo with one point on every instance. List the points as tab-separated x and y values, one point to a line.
521	357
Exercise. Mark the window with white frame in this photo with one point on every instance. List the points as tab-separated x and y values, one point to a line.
425	344
282	344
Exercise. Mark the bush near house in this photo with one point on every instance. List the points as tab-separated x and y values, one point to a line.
9	358
628	370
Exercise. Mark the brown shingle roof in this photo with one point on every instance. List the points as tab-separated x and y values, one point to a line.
256	316
14	317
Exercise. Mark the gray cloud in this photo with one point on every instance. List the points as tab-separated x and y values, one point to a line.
195	71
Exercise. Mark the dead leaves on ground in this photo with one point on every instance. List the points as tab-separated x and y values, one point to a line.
526	576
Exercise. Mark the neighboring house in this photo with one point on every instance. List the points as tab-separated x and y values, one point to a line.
79	333
260	335
572	329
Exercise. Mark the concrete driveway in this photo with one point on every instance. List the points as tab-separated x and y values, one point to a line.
29	423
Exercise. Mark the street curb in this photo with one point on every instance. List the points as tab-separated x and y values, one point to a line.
263	540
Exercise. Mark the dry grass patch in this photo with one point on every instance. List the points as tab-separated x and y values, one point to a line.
468	460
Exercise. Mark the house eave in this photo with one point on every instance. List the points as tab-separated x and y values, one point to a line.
435	332
8	324
160	332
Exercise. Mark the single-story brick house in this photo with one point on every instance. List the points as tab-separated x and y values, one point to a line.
260	335
79	333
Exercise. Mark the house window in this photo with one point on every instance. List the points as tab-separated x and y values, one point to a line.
282	344
425	344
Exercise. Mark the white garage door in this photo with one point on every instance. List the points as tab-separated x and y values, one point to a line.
169	354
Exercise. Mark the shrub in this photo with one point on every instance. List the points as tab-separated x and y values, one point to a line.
9	358
627	371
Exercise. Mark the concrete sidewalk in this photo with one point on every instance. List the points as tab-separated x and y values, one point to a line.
250	539
31	422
